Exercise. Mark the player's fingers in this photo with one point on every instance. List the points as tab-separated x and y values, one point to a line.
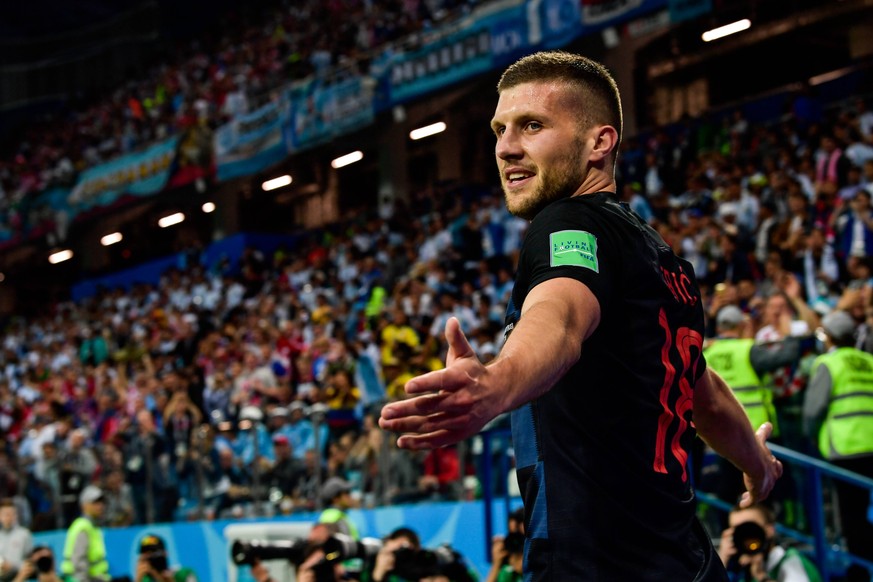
430	382
428	441
459	347
426	424
445	380
418	406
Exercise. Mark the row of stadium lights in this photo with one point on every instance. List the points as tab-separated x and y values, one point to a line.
117	237
439	127
356	156
351	158
272	184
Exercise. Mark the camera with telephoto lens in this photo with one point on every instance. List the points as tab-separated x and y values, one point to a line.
416	564
337	548
248	553
340	547
750	539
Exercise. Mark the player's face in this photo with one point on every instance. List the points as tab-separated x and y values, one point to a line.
542	153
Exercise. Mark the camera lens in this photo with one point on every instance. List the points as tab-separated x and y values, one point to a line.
749	538
45	564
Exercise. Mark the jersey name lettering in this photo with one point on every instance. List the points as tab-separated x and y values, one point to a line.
679	285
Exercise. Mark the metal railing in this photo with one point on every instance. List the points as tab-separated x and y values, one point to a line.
825	552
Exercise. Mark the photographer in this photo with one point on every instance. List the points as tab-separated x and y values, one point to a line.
318	558
507	558
402	559
750	553
507	553
40	566
153	565
399	538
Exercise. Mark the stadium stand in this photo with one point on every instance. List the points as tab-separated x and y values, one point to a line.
231	388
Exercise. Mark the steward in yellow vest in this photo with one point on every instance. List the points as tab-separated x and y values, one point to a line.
336	494
742	363
838	416
838	408
84	548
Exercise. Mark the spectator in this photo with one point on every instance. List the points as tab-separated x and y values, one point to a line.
77	466
821	271
831	165
286	471
854	227
231	483
779	313
119	500
148	470
16	542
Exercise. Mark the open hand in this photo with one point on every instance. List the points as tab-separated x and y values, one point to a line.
447	405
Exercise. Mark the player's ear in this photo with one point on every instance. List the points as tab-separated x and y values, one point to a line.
605	141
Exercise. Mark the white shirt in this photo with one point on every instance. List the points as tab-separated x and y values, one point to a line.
768	333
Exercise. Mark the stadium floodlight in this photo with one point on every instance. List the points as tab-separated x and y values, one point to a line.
347	159
727	30
208	207
60	256
171	220
111	239
427	130
276	183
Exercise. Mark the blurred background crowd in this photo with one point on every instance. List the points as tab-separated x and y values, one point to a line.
240	390
776	220
210	80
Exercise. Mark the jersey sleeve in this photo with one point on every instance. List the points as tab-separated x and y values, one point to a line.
564	241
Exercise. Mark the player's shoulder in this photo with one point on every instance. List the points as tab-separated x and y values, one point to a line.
587	211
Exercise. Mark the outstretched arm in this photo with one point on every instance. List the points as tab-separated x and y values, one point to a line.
722	423
452	404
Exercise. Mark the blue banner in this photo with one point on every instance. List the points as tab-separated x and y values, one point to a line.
453	58
252	142
598	15
140	173
496	35
553	23
323	110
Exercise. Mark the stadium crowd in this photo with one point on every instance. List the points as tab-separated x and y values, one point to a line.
206	84
232	389
146	392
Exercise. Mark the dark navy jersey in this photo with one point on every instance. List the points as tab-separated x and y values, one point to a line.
602	457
